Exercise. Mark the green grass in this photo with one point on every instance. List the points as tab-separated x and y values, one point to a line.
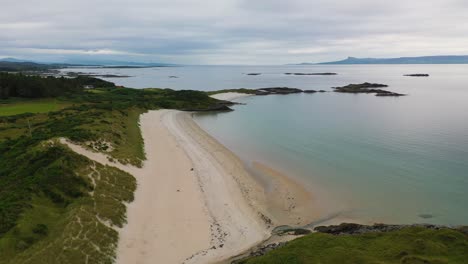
57	206
416	245
31	106
50	232
120	129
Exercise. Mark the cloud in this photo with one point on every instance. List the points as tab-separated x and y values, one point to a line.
76	51
232	31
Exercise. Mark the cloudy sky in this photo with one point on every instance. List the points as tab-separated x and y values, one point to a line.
231	31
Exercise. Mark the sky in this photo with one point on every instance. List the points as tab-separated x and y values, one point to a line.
231	31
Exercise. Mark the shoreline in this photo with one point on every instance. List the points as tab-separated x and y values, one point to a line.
195	201
230	96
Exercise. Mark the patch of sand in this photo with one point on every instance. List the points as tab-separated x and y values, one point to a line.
229	96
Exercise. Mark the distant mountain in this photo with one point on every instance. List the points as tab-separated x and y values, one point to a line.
13	60
402	60
13	64
97	62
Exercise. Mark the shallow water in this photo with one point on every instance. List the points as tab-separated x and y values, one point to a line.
395	160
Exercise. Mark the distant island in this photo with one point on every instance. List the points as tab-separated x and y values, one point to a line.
14	65
402	60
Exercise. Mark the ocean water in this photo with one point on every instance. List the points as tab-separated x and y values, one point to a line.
393	160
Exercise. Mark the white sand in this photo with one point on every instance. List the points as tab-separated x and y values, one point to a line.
182	215
230	96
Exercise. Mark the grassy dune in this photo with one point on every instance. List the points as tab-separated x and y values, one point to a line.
412	245
51	232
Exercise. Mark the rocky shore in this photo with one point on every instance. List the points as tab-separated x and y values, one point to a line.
353	229
336	230
277	90
366	88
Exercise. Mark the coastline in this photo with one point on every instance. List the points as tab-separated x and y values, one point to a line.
195	202
229	96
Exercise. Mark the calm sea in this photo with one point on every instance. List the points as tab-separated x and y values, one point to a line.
396	160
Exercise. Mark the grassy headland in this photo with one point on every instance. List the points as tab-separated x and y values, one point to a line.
57	206
411	245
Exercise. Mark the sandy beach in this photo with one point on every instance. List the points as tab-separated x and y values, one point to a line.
195	202
230	96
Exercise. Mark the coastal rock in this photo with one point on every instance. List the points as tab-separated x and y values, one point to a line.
277	90
366	88
426	216
322	91
310	91
221	107
265	249
254	74
386	93
417	75
351	228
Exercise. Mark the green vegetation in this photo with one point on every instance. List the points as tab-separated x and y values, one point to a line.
415	245
60	207
72	220
31	106
19	85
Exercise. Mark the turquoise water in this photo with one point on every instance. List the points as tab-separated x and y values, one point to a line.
378	159
370	158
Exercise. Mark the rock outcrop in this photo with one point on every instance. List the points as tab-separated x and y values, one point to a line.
277	90
417	75
353	229
366	88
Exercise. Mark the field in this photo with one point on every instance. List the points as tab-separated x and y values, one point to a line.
412	245
31	106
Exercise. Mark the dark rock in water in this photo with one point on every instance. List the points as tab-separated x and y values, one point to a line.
417	75
172	76
359	87
426	216
310	91
318	73
277	90
350	228
366	88
386	93
253	74
322	91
